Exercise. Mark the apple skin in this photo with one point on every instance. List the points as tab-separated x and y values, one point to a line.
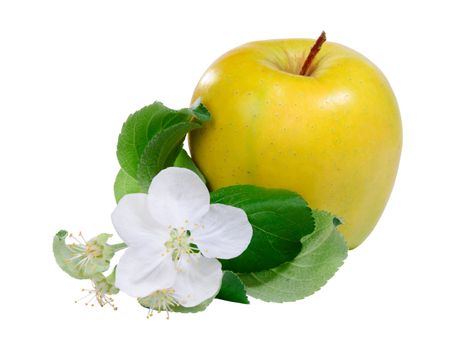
335	137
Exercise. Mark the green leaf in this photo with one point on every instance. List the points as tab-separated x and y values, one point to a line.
232	289
279	218
151	140
139	129
201	112
197	111
125	184
184	161
75	260
322	254
162	151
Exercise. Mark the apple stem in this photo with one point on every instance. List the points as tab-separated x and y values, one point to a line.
313	52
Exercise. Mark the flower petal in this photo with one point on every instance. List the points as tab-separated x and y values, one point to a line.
134	223
224	233
177	197
198	279
142	270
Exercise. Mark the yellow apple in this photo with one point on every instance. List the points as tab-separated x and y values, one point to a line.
334	136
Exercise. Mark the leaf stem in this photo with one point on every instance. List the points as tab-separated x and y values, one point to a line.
118	246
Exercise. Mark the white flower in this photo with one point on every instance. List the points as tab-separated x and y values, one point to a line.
174	236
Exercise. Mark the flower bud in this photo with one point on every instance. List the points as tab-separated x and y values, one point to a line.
102	289
105	285
82	259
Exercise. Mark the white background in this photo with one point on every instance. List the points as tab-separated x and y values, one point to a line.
71	72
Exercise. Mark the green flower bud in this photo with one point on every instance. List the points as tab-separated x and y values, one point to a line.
160	300
163	301
104	284
83	259
102	288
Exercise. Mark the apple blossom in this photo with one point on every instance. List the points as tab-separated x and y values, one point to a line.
102	289
174	237
83	258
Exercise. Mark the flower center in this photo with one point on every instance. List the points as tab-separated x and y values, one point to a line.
83	251
180	242
160	300
96	294
93	250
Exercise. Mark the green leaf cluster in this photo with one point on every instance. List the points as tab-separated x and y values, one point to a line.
151	140
294	250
